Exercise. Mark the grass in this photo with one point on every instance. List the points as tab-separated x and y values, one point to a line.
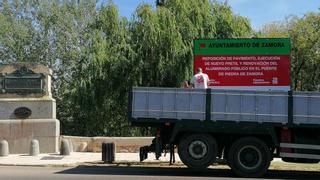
294	166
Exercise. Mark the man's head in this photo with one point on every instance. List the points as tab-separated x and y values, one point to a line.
199	70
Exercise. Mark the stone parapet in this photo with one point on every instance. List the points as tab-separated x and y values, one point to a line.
123	144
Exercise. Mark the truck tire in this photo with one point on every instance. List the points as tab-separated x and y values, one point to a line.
198	151
249	157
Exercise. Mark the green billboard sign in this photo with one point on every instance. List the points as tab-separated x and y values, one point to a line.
261	46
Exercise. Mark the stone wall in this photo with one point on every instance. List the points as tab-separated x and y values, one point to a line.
93	144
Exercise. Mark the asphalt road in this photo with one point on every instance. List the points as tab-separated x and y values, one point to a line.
128	173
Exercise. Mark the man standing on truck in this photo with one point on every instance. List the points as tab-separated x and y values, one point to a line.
200	80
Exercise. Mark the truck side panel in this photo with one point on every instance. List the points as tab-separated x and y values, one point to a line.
169	103
249	106
306	108
175	104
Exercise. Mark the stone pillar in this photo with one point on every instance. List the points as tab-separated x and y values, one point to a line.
65	147
34	148
27	109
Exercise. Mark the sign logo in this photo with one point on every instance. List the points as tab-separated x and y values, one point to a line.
203	45
22	112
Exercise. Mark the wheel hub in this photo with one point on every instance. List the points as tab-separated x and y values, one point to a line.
197	149
249	157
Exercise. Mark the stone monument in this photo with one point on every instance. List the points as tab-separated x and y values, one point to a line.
27	109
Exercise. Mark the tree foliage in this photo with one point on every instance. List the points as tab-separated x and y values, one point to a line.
97	56
305	48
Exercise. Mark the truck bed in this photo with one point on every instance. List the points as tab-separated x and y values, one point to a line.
178	104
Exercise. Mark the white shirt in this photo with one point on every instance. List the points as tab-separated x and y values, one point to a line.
200	80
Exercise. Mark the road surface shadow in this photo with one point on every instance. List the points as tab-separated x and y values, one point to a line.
165	171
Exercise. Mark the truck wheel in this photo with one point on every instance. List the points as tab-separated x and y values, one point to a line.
249	157
198	151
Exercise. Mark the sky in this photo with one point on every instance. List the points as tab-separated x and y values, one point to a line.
259	12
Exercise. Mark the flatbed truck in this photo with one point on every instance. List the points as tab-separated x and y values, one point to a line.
246	129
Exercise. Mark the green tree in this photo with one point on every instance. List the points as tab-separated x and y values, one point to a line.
98	56
18	37
305	48
305	36
101	93
275	30
158	46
